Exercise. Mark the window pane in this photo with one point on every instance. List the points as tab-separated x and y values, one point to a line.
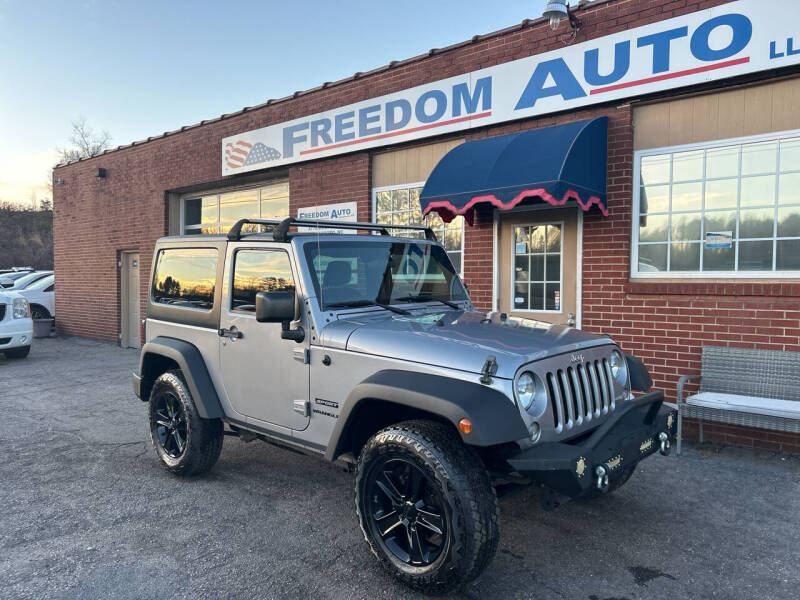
537	238
552	291
434	220
192	211
654	199
275	201
721	221
687	196
384	219
758	191
759	158
185	277
721	193
383	201
655	169
259	271
553	267
756	223
537	267
521	268
687	166
554	238
399	200
210	210
537	296
652	257
653	228
400	218
238	205
521	240
789	222
719	259
788	255
755	256
790	155
686	226
194	232
415	215
684	257
789	188
722	162
521	296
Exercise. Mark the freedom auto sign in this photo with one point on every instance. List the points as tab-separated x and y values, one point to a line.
729	40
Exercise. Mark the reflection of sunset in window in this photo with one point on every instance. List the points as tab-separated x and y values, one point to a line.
259	271
186	277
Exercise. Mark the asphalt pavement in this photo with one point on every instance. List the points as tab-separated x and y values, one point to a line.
87	512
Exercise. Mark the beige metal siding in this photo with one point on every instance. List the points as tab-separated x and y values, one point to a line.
409	165
764	108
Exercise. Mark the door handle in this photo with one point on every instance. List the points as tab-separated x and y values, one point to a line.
571	319
231	333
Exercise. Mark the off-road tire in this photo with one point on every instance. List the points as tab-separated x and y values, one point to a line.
203	436
20	352
615	481
470	503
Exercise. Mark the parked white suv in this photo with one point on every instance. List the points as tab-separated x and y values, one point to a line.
16	325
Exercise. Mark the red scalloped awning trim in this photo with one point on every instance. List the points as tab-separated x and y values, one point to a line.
446	209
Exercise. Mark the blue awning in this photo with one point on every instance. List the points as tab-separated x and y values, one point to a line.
555	164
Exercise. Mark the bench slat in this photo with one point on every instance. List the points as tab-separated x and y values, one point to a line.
751	372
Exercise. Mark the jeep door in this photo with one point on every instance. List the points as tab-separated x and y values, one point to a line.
266	378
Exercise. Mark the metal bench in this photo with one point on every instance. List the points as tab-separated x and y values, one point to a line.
741	386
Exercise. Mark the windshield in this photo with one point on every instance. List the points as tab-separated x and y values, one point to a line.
361	273
26	280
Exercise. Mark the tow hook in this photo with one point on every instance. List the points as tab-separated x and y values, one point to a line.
601	478
665	447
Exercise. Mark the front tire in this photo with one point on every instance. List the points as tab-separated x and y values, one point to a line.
185	443
426	506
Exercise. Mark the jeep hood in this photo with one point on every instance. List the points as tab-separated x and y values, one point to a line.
457	339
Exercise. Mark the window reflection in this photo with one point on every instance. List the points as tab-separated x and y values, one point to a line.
259	271
185	277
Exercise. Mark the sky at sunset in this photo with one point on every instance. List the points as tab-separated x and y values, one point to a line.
140	68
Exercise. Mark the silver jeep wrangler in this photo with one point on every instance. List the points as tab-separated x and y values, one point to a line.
365	349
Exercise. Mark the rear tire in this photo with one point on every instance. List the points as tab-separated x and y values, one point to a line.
21	352
185	443
414	479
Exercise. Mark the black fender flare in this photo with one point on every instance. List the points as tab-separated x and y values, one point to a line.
193	367
495	417
638	373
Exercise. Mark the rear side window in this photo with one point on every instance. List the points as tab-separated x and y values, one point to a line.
186	277
259	271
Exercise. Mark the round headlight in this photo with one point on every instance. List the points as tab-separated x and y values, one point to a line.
525	388
619	368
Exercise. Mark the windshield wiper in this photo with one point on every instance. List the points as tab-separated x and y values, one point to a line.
428	298
357	303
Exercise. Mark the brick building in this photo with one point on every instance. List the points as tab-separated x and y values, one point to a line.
695	238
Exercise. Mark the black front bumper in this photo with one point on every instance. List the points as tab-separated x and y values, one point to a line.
630	434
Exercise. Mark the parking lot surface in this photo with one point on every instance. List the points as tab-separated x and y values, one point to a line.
87	512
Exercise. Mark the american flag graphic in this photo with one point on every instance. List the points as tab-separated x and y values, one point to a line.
241	153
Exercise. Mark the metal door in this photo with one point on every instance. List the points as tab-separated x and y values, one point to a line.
266	378
130	300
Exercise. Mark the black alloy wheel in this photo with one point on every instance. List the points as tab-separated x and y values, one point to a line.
170	424
407	512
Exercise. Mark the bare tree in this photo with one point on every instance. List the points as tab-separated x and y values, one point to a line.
85	141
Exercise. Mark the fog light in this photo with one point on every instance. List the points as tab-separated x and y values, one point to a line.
465	425
536	432
23	339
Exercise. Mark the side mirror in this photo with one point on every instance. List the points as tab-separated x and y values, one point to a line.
274	307
279	307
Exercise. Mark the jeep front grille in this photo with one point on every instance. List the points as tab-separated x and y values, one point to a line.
580	393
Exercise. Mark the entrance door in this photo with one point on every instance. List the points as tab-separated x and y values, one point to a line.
538	270
129	288
265	377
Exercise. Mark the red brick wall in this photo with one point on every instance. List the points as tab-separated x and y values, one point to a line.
665	324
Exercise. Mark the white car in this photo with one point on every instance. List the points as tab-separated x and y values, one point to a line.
16	325
41	296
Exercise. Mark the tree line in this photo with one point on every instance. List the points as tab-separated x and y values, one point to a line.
26	236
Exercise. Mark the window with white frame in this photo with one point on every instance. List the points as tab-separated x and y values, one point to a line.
399	205
537	267
216	213
727	208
